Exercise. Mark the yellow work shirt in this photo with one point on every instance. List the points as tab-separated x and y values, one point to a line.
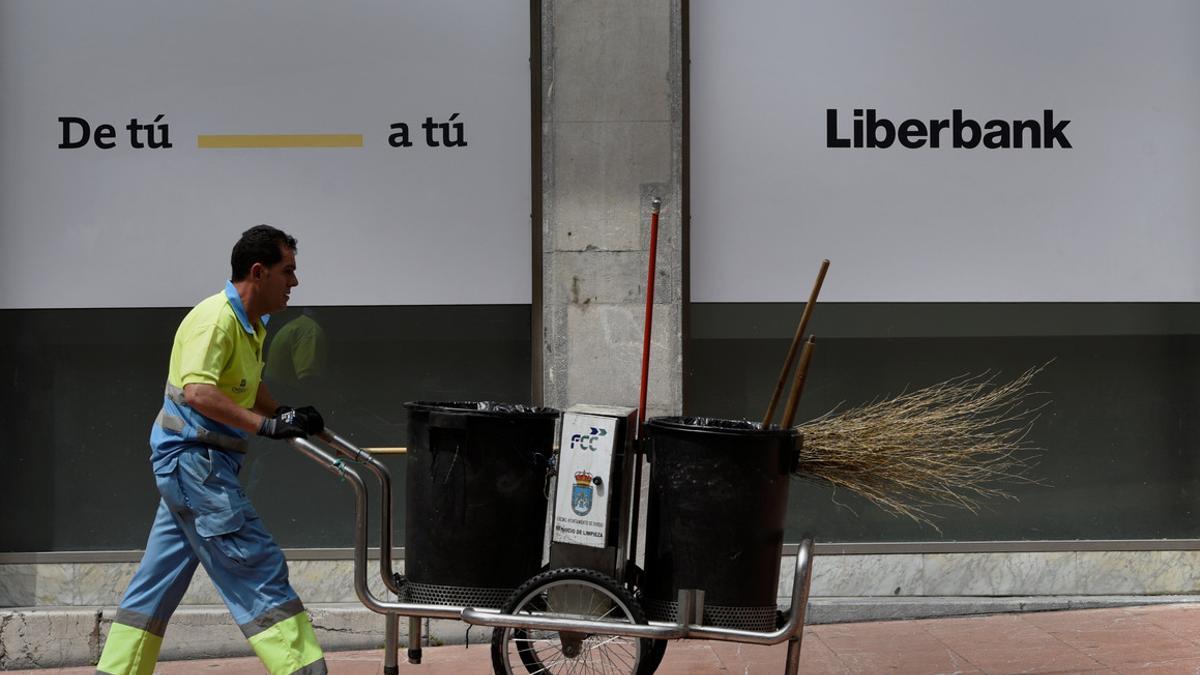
216	344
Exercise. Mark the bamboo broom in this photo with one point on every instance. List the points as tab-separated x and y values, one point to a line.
955	443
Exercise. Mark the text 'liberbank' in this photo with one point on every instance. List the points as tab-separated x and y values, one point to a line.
867	130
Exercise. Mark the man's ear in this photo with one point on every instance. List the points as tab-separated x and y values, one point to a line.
256	271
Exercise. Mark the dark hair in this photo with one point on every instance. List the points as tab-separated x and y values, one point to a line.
259	244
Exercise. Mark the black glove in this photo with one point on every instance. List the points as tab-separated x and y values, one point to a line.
282	425
307	418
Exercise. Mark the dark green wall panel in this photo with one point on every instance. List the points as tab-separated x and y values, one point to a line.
1120	436
79	390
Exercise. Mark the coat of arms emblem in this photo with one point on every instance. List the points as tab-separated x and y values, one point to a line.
581	493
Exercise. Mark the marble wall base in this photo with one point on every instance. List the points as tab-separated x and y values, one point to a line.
1058	573
1078	573
59	638
103	584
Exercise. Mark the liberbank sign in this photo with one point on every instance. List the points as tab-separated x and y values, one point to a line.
943	151
868	130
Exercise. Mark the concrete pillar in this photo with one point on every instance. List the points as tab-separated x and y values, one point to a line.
612	124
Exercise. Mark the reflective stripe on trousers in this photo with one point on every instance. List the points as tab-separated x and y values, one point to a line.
288	646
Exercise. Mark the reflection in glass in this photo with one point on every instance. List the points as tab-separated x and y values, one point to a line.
296	357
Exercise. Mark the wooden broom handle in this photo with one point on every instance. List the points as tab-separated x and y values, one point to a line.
789	412
791	355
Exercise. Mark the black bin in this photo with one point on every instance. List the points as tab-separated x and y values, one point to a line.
476	499
718	499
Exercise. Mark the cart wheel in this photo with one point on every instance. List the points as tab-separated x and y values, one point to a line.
575	593
650	663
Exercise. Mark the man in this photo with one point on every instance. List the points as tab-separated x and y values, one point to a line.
214	399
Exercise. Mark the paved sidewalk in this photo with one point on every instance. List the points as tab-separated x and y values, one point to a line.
1153	639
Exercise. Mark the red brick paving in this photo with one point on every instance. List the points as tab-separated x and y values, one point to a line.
1156	639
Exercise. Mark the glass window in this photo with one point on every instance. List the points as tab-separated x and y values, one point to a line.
1118	438
81	388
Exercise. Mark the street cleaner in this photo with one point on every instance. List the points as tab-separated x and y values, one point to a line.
214	399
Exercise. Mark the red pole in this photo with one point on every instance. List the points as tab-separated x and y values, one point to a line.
655	206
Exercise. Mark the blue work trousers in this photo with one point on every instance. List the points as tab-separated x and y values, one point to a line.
204	518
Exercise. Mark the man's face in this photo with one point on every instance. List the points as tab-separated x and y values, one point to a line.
277	282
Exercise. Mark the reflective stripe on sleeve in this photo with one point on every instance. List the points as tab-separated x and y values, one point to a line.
206	436
175	394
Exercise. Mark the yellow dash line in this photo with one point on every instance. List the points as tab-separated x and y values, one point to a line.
387	451
279	141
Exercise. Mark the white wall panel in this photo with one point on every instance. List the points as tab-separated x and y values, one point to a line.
1114	218
130	227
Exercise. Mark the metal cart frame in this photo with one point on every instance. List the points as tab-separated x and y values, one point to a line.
691	602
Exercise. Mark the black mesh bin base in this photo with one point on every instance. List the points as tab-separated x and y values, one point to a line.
760	619
456	596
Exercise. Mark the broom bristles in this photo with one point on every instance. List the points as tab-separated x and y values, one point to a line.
956	443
